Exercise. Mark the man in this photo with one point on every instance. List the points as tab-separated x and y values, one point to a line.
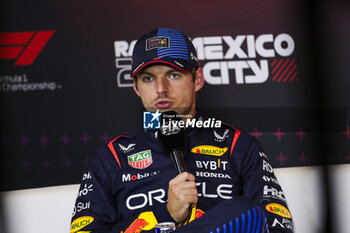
131	184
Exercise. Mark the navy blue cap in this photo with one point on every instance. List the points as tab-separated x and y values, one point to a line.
164	45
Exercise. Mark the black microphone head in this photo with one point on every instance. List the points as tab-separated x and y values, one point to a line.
172	133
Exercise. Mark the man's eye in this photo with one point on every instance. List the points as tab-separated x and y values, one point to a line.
147	79
174	75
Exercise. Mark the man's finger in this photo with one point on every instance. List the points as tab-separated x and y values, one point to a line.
182	177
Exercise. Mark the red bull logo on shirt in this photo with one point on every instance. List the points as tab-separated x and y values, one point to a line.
195	213
137	226
140	160
145	221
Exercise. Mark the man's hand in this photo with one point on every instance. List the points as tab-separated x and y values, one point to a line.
182	193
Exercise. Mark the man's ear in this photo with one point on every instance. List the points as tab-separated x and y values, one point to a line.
135	88
199	81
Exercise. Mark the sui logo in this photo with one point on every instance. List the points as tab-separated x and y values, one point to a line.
151	120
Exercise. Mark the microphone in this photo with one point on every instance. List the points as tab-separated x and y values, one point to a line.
172	137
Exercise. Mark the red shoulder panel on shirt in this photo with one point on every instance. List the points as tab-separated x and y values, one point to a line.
235	138
111	148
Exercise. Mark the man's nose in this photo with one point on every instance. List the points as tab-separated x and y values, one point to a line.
162	85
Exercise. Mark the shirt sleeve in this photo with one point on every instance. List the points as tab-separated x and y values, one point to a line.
260	184
96	208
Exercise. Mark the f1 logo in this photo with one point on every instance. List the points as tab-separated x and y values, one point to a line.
23	46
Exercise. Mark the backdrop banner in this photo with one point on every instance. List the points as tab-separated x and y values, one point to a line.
66	90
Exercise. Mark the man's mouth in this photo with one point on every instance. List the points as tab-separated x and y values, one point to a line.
162	104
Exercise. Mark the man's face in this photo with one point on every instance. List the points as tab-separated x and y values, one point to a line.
166	88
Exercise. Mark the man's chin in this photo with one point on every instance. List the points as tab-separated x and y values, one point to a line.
153	109
166	109
183	112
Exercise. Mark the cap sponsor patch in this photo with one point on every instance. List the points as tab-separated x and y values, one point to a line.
80	223
278	209
140	160
209	150
157	42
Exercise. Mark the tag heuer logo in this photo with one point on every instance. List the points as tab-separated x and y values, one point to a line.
140	160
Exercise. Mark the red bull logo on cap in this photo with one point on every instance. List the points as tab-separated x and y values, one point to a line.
157	42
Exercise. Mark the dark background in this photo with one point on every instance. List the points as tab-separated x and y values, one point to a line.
47	136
